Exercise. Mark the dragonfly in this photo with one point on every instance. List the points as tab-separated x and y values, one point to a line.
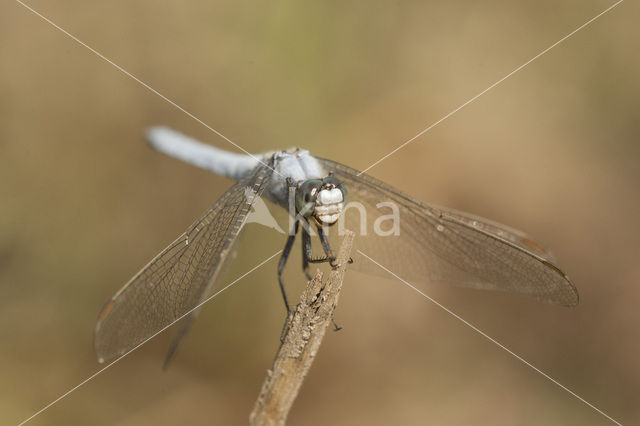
425	243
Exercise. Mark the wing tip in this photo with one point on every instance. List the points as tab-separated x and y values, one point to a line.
104	314
575	296
570	296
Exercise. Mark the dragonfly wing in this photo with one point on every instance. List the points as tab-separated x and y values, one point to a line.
444	245
181	276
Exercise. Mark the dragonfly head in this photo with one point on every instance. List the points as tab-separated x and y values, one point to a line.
324	199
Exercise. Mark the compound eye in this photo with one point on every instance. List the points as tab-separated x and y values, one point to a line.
306	194
310	188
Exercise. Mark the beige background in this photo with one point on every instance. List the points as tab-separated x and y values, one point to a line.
84	202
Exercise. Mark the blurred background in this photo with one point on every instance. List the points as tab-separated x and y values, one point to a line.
85	203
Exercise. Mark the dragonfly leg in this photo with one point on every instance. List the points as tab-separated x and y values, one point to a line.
283	260
326	247
306	252
336	327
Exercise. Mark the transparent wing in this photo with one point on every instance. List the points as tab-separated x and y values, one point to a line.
444	245
182	275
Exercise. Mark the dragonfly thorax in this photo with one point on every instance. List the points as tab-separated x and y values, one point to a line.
323	199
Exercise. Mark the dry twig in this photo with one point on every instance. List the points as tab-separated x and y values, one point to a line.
301	342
